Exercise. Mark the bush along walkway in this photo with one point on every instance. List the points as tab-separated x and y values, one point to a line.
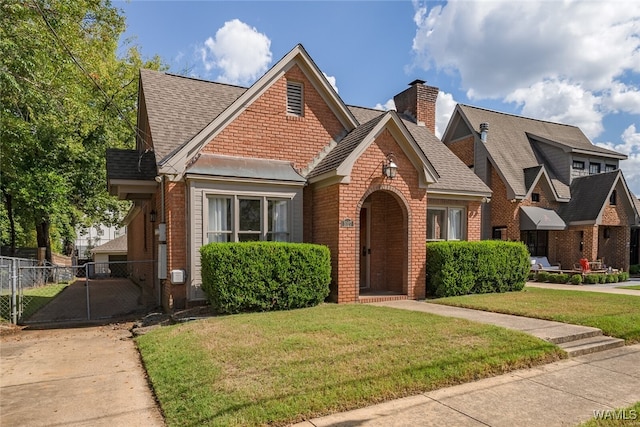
576	340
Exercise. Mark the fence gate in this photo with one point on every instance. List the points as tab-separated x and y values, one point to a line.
94	291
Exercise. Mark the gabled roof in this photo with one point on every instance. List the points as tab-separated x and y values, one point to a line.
176	160
454	177
115	246
179	107
510	144
590	194
340	160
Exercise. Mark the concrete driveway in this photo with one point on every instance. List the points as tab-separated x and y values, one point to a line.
74	377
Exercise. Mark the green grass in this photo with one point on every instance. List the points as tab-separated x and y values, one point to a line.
282	367
33	300
627	417
636	287
616	315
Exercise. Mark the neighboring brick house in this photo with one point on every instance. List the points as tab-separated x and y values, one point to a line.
564	197
287	160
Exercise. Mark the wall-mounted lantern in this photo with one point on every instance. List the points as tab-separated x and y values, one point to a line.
389	167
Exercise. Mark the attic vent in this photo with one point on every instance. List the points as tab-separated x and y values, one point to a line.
294	98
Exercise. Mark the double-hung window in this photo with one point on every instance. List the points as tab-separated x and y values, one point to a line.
247	218
445	223
219	219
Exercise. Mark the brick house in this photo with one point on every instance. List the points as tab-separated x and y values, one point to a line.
287	160
564	197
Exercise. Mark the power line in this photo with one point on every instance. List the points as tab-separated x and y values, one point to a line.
91	78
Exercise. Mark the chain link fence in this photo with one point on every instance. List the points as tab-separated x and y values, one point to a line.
31	293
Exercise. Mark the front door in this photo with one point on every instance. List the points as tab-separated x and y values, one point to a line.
365	247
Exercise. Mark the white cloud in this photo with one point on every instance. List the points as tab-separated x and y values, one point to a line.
561	102
389	105
630	146
568	61
445	104
331	80
239	51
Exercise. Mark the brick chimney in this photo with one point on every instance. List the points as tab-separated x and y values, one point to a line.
419	102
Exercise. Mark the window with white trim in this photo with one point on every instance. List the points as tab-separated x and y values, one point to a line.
594	168
295	99
247	218
446	223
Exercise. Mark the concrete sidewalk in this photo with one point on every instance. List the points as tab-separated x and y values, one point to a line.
71	377
607	288
564	393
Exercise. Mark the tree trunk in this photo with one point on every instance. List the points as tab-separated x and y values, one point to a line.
8	203
42	236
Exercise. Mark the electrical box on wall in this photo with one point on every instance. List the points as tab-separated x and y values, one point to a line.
178	277
161	232
162	261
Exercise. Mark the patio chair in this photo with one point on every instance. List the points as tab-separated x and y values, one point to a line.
541	263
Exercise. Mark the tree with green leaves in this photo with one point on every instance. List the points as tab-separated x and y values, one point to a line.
65	97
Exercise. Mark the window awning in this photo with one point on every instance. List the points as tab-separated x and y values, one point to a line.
535	218
242	167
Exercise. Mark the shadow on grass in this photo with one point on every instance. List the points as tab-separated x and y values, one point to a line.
32	300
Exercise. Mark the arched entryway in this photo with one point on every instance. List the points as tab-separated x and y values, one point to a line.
383	245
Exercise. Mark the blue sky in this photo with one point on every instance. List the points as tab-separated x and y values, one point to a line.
573	62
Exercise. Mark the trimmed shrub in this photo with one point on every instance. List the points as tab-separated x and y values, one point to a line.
592	279
576	279
559	278
634	269
611	278
461	268
264	276
532	275
602	278
623	276
542	276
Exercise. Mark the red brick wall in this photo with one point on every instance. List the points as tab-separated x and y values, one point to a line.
141	246
264	130
615	248
420	101
366	179
464	149
324	226
176	220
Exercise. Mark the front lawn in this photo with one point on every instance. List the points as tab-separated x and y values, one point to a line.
33	299
282	367
616	315
636	287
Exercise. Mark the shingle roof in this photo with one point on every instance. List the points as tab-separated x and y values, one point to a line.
345	147
588	196
179	107
243	167
117	245
455	176
130	164
510	145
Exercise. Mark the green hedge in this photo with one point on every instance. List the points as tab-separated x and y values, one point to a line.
264	276
461	268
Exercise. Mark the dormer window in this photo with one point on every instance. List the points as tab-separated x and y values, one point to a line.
594	168
609	168
294	99
578	164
